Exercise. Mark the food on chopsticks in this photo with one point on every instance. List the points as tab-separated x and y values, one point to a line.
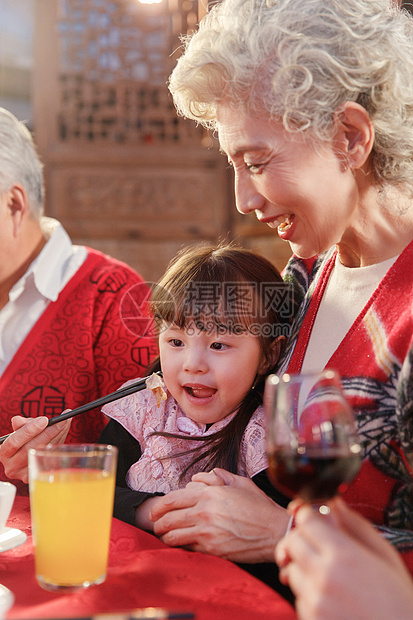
155	384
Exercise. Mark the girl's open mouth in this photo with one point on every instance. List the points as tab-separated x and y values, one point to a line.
200	392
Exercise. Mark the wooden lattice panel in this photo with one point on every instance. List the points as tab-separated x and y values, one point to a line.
115	58
124	174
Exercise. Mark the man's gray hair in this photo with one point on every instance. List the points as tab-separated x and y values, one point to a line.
20	162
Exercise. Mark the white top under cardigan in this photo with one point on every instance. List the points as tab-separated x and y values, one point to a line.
347	292
45	278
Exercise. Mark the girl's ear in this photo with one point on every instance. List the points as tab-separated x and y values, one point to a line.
275	352
354	136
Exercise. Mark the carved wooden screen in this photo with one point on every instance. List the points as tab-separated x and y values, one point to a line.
124	174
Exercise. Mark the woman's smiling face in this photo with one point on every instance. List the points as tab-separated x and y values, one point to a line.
307	194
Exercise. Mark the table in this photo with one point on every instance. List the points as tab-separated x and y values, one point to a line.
142	572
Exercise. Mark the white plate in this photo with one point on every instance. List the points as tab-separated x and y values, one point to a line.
10	538
6	600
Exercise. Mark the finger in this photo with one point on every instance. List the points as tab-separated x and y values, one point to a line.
18	421
283	574
240	482
281	555
175	500
174	520
208	478
298	577
361	530
194	485
314	541
295	505
334	529
34	426
57	434
202	539
319	530
225	476
301	547
180	537
23	434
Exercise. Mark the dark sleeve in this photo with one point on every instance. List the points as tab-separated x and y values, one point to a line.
126	500
262	481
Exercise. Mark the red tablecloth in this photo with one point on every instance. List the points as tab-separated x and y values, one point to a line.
142	572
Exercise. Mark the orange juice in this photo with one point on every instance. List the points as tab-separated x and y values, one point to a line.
71	513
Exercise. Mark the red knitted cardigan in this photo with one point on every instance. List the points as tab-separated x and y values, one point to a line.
87	343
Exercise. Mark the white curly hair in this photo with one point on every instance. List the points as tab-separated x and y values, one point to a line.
298	61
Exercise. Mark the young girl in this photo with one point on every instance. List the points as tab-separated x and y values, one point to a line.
222	316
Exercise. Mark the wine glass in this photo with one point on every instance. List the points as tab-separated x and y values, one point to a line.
312	442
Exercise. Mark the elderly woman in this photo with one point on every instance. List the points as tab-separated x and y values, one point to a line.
312	103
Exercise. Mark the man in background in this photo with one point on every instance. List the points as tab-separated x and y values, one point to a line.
67	332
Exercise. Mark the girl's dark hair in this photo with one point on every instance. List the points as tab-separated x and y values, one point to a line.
225	288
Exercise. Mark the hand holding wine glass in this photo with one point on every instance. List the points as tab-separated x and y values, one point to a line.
312	441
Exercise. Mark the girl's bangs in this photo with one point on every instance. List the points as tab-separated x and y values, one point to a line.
222	308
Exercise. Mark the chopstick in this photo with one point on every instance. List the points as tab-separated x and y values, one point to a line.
99	402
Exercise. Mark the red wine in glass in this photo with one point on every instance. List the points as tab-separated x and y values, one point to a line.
312	442
313	476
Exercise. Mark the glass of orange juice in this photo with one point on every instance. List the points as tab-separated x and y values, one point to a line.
71	500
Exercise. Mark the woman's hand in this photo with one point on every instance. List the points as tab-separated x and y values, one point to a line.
338	566
221	514
29	433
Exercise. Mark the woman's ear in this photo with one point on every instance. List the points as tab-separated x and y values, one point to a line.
354	135
276	347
